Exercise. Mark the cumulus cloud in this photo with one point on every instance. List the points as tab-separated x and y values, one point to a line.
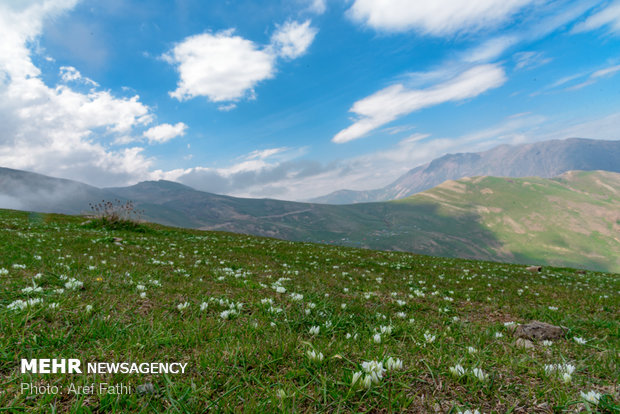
608	17
57	130
225	67
395	101
292	39
437	18
165	132
220	66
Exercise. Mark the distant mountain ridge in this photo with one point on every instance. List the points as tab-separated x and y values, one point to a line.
544	159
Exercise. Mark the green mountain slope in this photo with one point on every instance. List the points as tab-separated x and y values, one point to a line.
571	220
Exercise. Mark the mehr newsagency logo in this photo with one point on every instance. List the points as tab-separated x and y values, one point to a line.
74	366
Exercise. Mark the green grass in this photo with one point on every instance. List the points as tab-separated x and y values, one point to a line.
256	361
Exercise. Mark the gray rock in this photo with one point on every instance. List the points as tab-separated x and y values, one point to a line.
534	269
525	343
537	330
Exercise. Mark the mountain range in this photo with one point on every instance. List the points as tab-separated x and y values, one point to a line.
544	159
570	220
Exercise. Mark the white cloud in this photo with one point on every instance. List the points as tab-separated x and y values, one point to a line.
605	127
608	16
225	67
490	49
292	39
220	66
317	6
227	107
530	60
587	78
392	102
71	74
610	71
57	130
165	132
437	17
263	154
252	175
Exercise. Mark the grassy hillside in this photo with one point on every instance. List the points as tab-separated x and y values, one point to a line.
250	315
572	220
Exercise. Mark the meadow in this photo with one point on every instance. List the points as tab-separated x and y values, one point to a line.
267	325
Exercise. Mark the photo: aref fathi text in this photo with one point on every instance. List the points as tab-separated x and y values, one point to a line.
88	389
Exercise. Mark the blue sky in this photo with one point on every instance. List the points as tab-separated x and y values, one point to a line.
295	99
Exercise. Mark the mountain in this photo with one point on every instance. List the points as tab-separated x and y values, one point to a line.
541	159
22	190
572	220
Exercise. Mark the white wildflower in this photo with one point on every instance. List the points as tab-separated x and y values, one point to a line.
315	356
297	297
592	396
32	289
73	284
393	364
457	370
374	369
478	373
